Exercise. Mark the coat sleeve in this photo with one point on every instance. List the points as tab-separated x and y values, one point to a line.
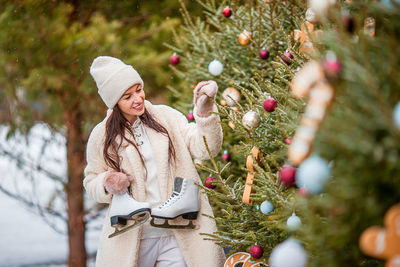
192	133
96	169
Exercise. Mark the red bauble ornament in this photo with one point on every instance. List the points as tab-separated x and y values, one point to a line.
332	67
287	141
208	182
347	21
227	12
286	60
174	59
225	156
288	54
264	54
270	104
287	57
287	174
256	251
190	116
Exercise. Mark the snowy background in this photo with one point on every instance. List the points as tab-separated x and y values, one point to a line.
26	238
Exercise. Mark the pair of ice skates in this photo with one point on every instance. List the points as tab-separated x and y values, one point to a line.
184	202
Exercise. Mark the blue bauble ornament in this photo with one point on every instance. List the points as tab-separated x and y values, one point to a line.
388	3
289	253
312	174
266	207
396	115
293	222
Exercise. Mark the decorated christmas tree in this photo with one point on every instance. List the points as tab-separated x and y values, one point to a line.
309	98
249	50
352	173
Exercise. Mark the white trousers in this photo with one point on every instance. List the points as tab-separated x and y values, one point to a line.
160	252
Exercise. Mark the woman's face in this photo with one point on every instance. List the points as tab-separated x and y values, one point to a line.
132	102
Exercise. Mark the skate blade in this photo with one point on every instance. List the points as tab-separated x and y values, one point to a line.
190	225
138	218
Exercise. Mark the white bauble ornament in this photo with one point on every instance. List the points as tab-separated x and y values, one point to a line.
396	115
289	253
310	16
266	207
251	120
321	7
293	222
215	67
312	174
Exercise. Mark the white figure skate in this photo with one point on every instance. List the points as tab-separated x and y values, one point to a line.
184	202
125	208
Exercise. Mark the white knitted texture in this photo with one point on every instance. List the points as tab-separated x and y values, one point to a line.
113	77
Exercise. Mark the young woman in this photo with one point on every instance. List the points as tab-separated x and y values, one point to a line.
139	159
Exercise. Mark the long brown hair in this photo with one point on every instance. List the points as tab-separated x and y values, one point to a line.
118	125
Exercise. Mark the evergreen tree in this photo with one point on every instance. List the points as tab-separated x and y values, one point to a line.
204	45
360	135
46	49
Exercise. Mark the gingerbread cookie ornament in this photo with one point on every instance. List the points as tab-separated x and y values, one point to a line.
309	81
304	36
248	189
242	259
384	242
369	26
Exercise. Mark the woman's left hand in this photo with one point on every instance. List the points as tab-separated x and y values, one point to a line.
201	97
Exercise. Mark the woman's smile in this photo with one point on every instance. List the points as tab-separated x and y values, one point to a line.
138	107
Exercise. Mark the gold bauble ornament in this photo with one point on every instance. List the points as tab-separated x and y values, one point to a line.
251	120
245	38
230	95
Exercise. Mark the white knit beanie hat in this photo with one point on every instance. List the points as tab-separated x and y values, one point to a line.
113	77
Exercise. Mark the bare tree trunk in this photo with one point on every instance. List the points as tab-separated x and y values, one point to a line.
74	189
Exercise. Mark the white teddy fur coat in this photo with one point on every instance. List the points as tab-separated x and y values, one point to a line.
187	138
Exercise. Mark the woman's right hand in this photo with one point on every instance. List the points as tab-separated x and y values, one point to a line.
201	97
117	183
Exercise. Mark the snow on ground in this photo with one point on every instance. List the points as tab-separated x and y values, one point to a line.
25	238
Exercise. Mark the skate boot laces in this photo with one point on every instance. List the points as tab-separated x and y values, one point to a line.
170	200
173	198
